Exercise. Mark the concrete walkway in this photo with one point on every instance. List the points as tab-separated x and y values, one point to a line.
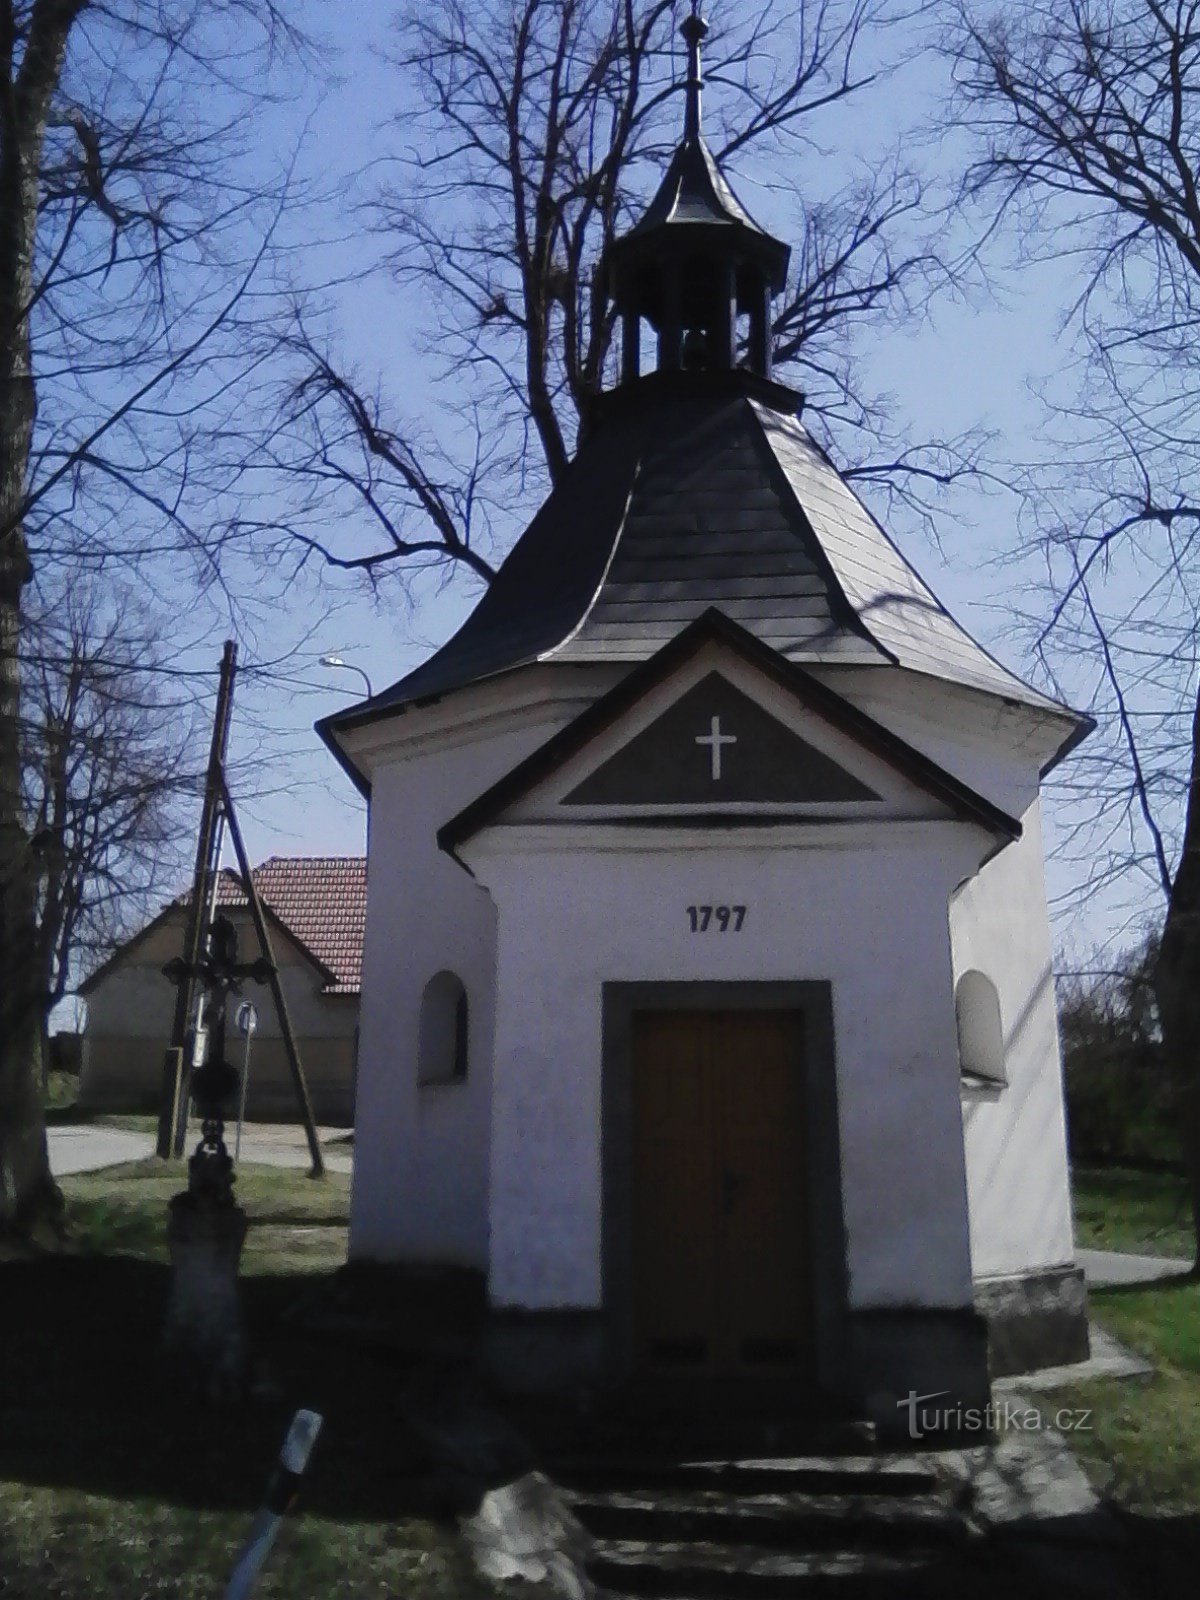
1106	1269
89	1147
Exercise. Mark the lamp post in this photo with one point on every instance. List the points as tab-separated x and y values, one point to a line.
336	662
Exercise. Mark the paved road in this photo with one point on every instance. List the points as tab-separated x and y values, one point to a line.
89	1147
1105	1268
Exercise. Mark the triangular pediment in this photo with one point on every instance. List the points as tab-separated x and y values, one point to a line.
716	745
718	728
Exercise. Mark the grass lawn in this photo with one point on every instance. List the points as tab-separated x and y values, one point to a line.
112	1486
1143	1212
1142	1447
61	1090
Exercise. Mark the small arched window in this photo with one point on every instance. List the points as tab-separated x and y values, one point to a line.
442	1048
980	1032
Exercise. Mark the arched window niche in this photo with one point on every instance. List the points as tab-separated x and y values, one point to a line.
980	1033
442	1047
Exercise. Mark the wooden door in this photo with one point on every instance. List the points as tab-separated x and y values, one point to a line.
720	1231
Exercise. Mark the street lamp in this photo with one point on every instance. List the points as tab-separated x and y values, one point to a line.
348	666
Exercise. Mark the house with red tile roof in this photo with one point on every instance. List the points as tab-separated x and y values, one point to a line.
315	908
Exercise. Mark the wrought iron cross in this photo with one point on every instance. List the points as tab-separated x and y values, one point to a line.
210	1170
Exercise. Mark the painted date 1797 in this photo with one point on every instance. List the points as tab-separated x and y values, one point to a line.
719	919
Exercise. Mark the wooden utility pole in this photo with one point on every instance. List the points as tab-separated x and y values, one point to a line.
218	812
285	1021
177	1066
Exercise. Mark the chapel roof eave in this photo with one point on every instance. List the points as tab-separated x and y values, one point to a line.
328	730
368	713
714	625
695	488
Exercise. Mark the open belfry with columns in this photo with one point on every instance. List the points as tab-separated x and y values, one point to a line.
707	1004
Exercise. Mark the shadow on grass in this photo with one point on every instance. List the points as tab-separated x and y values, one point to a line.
86	1405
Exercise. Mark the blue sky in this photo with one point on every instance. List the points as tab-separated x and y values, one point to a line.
979	358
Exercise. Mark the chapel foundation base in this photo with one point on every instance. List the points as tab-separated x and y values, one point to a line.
1034	1319
918	1375
546	1352
888	1356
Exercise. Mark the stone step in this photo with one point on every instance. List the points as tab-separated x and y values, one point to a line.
775	1521
808	1475
703	1433
916	1584
690	1571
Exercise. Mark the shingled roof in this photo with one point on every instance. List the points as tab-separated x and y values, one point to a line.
699	492
320	902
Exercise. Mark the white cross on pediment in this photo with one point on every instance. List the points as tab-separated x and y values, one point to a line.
714	740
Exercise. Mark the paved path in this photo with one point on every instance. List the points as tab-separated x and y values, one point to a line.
89	1147
284	1145
1106	1268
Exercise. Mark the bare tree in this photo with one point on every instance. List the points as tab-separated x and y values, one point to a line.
109	763
538	128
1120	1106
133	225
1088	141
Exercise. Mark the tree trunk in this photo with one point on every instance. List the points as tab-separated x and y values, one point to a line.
1177	986
30	1204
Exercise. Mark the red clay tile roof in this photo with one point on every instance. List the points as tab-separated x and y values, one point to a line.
321	901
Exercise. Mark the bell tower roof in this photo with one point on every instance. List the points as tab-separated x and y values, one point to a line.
696	261
694	193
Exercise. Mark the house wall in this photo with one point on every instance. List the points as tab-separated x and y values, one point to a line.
1015	1138
129	1017
868	917
421	1151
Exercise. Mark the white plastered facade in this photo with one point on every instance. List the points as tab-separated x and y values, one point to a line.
502	1172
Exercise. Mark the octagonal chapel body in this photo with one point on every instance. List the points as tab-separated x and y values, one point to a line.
707	1005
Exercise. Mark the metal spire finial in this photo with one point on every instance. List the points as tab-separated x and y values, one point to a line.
693	28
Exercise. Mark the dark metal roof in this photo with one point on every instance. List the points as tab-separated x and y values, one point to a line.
608	710
693	189
694	198
701	490
667	509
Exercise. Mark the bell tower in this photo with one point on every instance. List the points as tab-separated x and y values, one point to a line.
696	271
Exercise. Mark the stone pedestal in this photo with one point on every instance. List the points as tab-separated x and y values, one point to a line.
205	1337
1034	1319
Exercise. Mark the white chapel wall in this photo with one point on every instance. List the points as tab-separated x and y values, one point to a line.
572	919
421	1151
1015	1138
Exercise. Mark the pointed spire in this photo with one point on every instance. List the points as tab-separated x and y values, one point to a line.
696	260
694	29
